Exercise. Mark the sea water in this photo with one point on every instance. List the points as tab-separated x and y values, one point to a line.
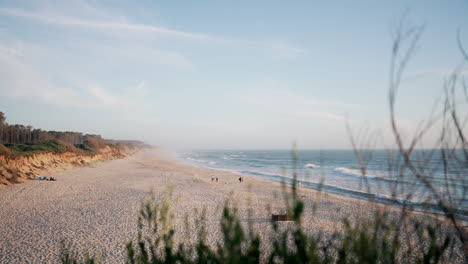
375	175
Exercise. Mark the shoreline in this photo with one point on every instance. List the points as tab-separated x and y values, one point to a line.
256	178
96	207
327	189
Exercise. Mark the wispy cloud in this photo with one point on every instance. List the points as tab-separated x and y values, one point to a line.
20	80
141	53
55	19
9	50
286	97
231	126
287	102
286	51
279	49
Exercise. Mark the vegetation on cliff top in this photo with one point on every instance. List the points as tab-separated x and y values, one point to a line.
24	140
49	146
54	146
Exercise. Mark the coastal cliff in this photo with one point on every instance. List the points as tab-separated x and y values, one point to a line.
17	169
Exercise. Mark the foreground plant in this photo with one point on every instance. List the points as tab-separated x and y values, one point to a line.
379	239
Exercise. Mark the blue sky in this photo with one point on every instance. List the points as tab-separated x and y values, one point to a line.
219	74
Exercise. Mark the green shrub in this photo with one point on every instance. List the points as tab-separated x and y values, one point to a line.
54	146
86	147
28	148
67	256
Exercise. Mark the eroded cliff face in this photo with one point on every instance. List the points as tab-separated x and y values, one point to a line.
21	168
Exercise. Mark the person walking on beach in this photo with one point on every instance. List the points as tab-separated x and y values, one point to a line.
216	178
212	178
240	179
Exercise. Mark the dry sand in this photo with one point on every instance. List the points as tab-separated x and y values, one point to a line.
96	207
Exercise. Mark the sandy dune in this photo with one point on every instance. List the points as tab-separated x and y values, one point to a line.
96	207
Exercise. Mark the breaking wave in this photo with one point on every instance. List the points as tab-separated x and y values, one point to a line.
311	166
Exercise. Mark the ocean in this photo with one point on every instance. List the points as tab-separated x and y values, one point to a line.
339	172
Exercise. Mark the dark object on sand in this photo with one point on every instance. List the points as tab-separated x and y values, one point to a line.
284	217
43	178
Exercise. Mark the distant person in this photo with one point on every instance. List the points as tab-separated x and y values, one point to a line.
212	178
240	179
216	179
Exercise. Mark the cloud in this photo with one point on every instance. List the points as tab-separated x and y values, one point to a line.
281	50
140	89
284	51
19	80
9	51
233	127
102	96
54	19
285	101
151	54
286	97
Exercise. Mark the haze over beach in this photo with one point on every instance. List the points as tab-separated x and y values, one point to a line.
247	132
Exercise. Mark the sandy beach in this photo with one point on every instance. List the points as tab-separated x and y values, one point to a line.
96	207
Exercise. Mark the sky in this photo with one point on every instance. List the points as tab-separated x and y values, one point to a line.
223	74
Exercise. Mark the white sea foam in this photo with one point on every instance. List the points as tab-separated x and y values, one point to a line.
355	172
348	171
197	160
311	166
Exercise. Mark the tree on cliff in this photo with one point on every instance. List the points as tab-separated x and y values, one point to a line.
20	134
2	121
